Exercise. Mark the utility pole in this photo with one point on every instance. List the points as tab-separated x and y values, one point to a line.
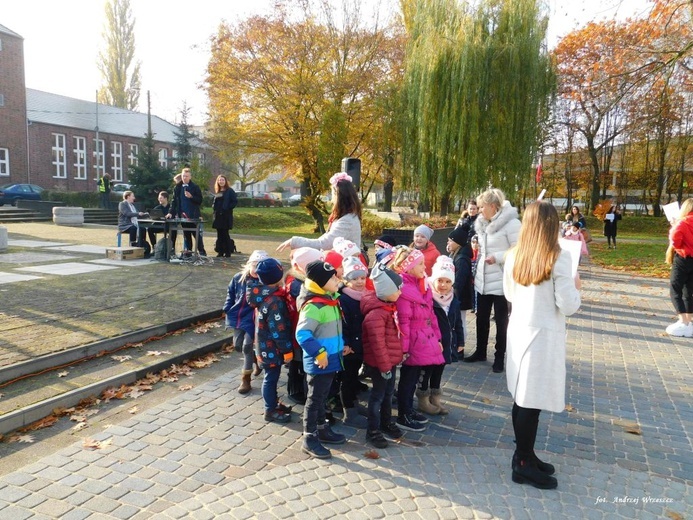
97	135
149	114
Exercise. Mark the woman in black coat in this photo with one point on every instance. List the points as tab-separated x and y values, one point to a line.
611	224
224	202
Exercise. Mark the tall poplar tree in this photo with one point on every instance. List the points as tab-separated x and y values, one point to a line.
119	70
478	82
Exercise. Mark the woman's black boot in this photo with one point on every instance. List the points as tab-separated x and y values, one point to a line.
527	472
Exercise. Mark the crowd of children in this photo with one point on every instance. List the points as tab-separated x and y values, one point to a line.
332	320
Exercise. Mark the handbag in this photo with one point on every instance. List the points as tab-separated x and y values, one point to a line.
587	235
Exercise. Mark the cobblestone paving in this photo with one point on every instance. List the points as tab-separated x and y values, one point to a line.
622	451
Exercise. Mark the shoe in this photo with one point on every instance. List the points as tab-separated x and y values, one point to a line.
257	370
673	326
375	438
244	387
391	430
311	446
203	253
284	408
407	423
682	330
542	466
435	401
278	416
328	436
220	255
419	418
424	403
498	367
527	472
475	357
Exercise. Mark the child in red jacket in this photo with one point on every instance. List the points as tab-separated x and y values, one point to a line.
382	352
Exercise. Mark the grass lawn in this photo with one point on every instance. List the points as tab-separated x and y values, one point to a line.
642	243
278	222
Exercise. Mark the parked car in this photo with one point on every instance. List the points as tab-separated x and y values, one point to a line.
294	200
11	193
120	187
267	200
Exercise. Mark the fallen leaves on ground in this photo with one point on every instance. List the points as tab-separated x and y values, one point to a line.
133	410
569	408
121	359
64	373
633	428
96	445
157	352
21	438
674	516
79	426
202	329
183	388
372	454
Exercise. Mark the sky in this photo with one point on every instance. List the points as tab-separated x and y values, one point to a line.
62	41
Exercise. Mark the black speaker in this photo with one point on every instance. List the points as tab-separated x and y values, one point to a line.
353	167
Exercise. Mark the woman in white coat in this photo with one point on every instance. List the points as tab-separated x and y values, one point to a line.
344	221
497	228
538	276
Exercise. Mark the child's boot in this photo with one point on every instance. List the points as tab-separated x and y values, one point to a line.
435	401
313	447
425	404
244	388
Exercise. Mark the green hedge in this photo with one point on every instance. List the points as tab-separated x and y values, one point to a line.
81	199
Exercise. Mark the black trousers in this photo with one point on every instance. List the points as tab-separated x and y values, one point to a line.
431	375
349	381
408	379
681	284
499	304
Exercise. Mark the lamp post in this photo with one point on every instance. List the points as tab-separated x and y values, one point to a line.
98	165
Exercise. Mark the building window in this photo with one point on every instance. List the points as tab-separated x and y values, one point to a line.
99	157
59	160
2	100
4	162
201	158
117	160
163	158
80	152
134	155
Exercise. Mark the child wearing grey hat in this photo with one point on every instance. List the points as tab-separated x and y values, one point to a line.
422	242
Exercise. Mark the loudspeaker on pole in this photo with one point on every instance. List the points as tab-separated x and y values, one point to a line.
352	166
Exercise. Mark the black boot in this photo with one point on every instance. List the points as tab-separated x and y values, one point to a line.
542	466
526	472
477	356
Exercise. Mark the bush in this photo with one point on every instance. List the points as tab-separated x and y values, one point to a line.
80	199
372	226
434	221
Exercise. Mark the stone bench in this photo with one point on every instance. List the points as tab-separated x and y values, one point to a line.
68	216
3	239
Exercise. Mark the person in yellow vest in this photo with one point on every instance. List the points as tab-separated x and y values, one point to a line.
105	191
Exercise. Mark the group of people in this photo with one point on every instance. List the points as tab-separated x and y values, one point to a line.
332	319
186	202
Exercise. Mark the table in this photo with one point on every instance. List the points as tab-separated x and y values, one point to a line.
173	224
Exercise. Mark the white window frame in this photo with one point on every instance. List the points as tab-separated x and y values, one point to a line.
4	162
163	157
117	160
2	100
59	152
134	155
201	158
99	158
80	153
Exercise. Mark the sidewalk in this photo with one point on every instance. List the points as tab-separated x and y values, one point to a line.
622	451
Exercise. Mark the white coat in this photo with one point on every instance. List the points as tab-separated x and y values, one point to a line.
495	236
535	366
348	227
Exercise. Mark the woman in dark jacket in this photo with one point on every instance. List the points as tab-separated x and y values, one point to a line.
611	224
576	216
224	202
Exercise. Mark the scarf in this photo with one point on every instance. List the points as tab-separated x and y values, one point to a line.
444	300
356	295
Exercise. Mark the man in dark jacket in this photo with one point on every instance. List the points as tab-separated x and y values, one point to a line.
187	198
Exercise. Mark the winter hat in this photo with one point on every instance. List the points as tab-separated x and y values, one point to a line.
320	272
302	256
269	271
415	256
258	255
353	268
334	259
459	235
345	247
384	255
385	281
442	269
385	241
425	231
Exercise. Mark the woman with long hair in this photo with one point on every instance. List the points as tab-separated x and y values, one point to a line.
538	276
344	220
496	227
575	216
680	256
224	201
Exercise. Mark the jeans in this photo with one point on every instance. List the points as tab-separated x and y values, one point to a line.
483	323
269	387
681	284
314	411
241	337
380	400
408	379
349	388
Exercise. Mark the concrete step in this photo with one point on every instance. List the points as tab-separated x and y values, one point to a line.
100	216
32	390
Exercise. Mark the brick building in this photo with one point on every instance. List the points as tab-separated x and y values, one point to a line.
51	140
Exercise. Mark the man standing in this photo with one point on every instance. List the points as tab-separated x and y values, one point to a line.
187	198
105	191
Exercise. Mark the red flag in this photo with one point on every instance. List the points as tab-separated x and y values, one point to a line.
539	174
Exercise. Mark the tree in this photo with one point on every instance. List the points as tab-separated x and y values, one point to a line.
184	136
275	82
477	84
120	73
148	176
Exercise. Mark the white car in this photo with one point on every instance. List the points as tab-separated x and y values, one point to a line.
120	187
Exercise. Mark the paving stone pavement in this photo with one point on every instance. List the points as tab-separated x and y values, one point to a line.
623	450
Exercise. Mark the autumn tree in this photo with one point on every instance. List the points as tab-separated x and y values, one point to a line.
297	87
477	84
119	70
